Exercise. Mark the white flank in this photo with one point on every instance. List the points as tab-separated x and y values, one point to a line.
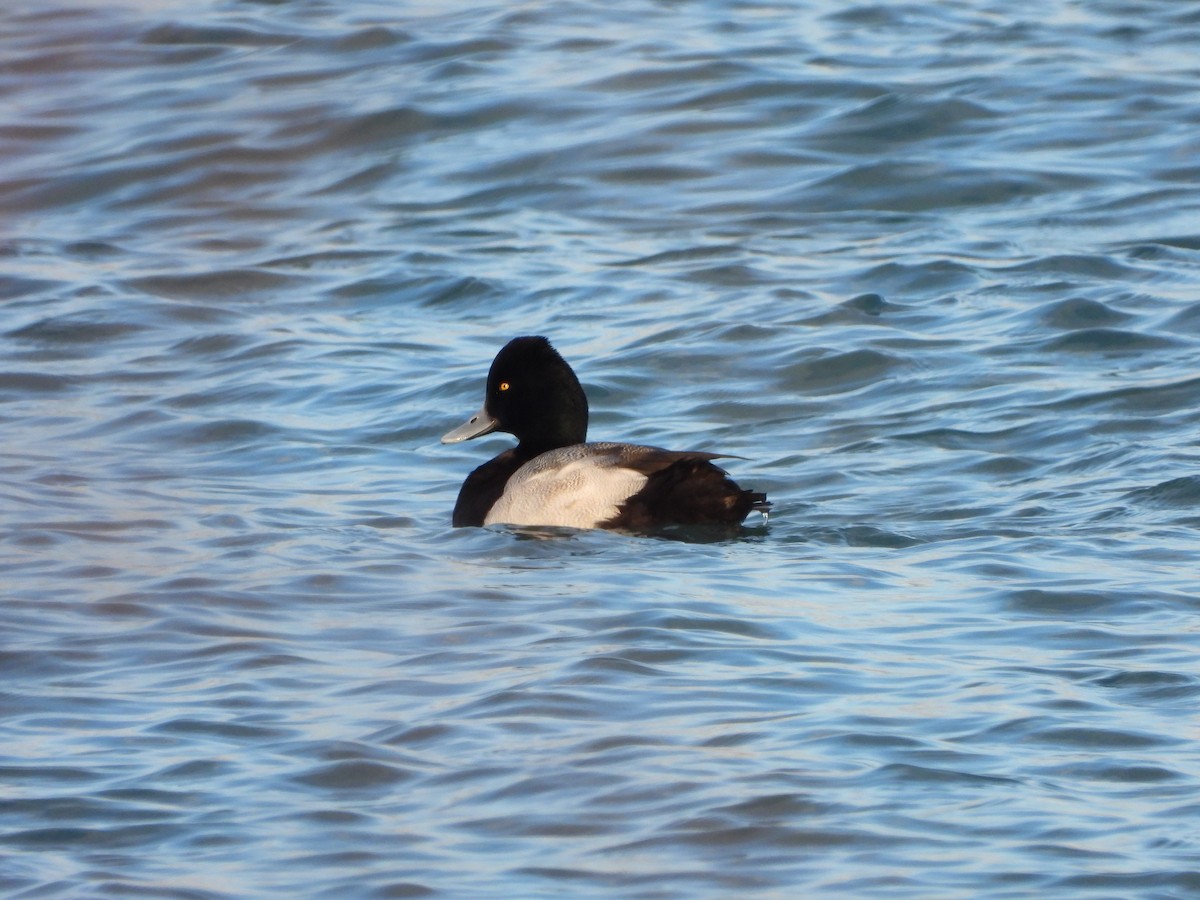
575	487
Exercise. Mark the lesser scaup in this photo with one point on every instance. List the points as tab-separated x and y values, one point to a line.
552	477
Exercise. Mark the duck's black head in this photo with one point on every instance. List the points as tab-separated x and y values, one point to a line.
532	394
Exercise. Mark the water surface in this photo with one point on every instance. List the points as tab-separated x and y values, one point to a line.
934	272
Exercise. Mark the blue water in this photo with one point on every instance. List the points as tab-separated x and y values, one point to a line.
932	269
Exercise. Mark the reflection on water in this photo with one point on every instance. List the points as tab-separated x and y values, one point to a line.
933	272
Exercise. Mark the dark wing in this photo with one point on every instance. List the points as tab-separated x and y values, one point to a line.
683	487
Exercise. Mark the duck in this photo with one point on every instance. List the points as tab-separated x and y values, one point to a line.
555	477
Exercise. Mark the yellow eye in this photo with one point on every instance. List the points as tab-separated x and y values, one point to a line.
504	385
